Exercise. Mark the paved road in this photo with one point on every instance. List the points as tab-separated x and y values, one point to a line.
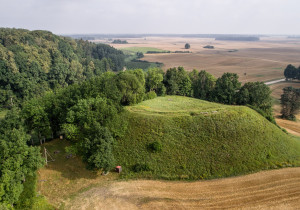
275	81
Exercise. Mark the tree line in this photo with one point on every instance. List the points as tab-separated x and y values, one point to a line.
32	62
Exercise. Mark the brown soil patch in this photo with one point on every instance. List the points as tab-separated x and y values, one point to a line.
276	189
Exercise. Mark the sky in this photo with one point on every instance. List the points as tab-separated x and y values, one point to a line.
153	16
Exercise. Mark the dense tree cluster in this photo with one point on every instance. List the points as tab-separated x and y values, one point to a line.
291	72
32	62
17	159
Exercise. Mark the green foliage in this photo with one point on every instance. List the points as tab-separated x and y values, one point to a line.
17	161
290	102
32	62
187	46
97	147
217	141
226	89
139	55
36	118
267	114
150	95
131	85
29	199
291	72
119	41
139	167
203	84
256	94
141	49
177	82
155	146
154	80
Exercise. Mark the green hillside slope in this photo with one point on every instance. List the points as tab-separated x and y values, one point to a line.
184	138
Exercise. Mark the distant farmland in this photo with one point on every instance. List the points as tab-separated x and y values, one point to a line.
256	61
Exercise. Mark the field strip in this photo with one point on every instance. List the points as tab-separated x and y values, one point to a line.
279	189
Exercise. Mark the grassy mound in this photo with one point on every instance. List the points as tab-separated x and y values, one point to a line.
184	138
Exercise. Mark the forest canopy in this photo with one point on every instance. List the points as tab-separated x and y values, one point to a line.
32	62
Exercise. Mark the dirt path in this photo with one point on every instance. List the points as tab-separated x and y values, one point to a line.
276	189
275	81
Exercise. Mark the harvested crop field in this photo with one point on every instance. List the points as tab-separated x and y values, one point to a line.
276	189
253	61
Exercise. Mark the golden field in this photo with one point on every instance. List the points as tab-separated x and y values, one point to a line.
253	61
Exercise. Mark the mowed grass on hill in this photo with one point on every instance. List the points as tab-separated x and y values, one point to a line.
200	140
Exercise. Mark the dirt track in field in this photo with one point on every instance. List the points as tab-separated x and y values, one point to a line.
276	189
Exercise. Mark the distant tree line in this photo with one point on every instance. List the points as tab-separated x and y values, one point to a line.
119	41
32	62
237	38
209	47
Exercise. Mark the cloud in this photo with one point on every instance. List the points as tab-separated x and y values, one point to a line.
156	16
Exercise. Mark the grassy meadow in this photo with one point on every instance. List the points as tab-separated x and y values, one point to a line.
63	178
200	140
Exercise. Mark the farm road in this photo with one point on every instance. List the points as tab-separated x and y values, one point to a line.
275	81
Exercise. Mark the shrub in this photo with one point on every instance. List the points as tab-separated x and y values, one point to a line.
155	146
150	95
141	167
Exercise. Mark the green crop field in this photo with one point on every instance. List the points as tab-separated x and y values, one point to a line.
177	137
141	49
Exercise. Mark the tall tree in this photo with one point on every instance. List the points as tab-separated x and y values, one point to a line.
290	102
131	85
154	80
17	160
291	72
187	46
226	88
178	82
203	84
256	94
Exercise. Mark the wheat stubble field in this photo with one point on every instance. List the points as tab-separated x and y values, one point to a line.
253	61
276	189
